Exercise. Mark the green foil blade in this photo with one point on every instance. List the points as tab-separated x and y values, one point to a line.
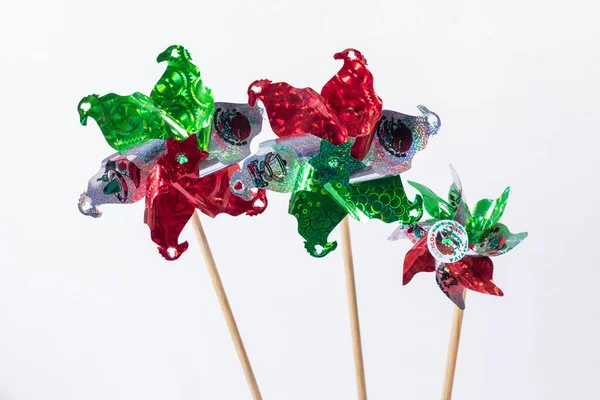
126	121
318	214
486	214
499	241
435	206
181	93
384	199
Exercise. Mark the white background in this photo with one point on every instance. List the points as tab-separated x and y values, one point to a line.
89	310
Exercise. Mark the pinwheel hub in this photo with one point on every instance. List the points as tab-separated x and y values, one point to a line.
447	241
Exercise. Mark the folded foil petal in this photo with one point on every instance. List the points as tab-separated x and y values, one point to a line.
166	214
435	206
181	94
351	94
122	177
475	273
212	195
167	209
450	285
317	214
499	241
456	199
383	199
486	214
398	137
414	233
234	127
291	111
128	121
418	259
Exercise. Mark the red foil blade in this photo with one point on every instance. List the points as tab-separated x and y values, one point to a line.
292	111
352	95
476	273
167	212
418	259
175	190
212	195
450	285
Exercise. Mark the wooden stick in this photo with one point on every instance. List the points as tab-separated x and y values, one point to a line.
361	385
457	319
222	296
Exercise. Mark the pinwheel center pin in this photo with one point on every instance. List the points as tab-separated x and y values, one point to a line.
182	159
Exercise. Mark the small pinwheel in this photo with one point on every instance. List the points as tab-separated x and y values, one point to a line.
457	244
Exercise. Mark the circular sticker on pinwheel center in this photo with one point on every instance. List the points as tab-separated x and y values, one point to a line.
447	241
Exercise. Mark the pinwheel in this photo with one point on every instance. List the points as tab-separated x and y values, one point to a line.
178	149
338	154
457	245
147	130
